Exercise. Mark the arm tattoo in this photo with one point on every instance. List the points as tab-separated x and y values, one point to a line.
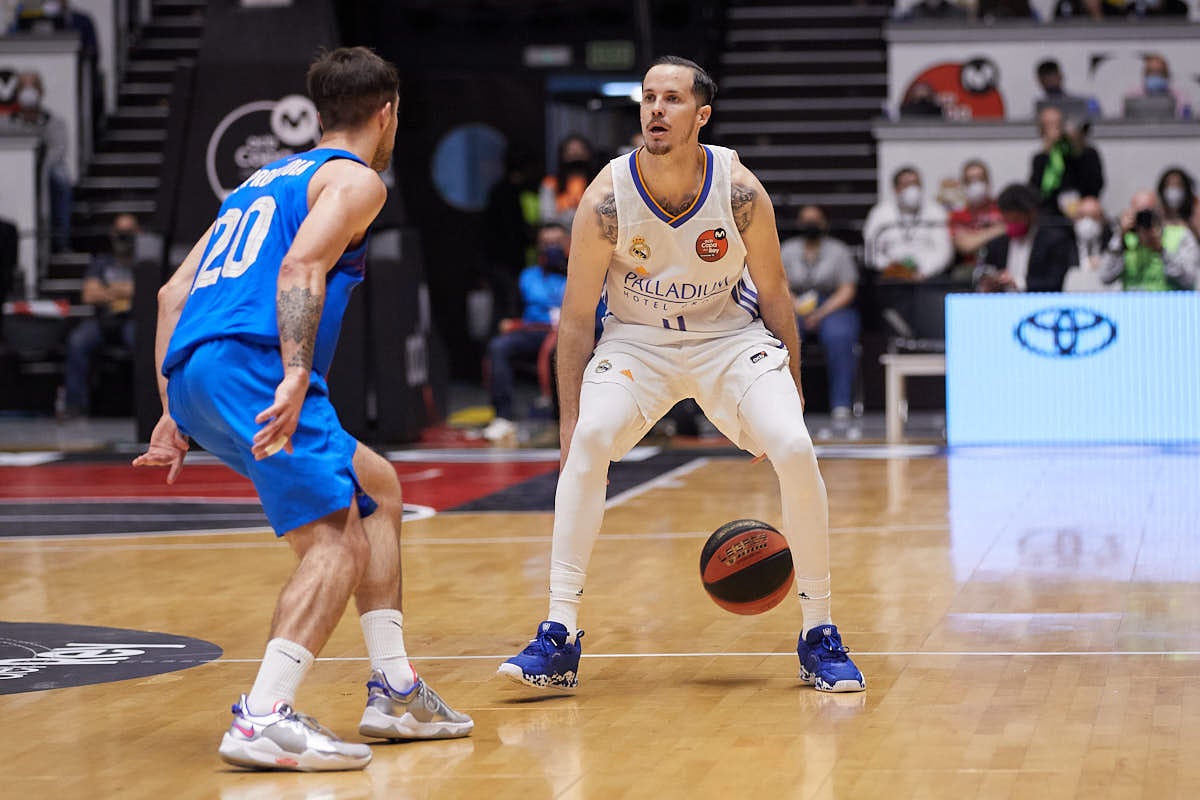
743	205
607	211
299	313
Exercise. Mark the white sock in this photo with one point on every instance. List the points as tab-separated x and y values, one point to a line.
566	592
283	667
814	602
383	629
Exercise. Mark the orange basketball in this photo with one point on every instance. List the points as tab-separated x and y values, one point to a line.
746	566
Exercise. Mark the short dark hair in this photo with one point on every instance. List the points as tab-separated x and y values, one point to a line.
703	86
349	84
1189	190
1048	67
1018	197
905	170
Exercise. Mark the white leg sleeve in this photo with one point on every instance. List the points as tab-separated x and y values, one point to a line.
606	412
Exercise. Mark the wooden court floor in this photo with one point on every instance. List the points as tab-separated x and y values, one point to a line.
1028	622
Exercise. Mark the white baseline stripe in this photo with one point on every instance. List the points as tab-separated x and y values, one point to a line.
873	654
665	479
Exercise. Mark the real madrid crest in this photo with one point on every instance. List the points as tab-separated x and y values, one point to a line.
639	249
604	366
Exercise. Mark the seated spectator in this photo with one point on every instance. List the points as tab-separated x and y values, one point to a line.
561	192
30	116
1092	233
1156	85
108	286
1067	168
1148	256
921	101
1177	195
932	9
1050	79
1094	10
824	282
906	236
979	220
1028	257
542	286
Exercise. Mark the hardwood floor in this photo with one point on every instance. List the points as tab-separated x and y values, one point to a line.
1027	621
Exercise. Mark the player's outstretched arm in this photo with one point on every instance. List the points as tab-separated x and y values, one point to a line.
348	197
755	218
593	236
167	447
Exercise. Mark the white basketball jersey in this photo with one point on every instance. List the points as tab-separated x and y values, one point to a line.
682	272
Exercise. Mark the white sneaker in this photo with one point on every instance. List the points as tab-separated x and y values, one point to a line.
286	740
498	429
418	713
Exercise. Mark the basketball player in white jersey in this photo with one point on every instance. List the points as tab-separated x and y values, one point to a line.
681	239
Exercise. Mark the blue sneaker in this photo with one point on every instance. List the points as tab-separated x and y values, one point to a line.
549	661
825	664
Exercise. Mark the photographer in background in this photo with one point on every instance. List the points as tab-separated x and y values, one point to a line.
1067	169
1145	255
1029	257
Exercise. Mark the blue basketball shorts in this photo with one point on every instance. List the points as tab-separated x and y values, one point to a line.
214	397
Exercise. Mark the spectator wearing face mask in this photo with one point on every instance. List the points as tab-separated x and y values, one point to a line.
1067	168
561	192
108	288
906	236
1092	233
824	281
542	286
1156	82
1148	256
1177	196
1030	256
979	220
31	117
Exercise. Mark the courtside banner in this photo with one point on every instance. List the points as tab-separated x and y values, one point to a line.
1073	368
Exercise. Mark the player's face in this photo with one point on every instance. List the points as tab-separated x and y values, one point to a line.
387	141
671	115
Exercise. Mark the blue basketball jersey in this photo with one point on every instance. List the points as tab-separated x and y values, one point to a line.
234	291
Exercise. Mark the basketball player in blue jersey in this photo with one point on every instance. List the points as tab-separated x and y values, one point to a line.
246	331
681	240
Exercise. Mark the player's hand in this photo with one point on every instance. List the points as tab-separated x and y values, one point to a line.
280	419
166	449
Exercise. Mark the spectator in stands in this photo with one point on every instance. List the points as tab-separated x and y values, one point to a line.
1092	233
542	286
108	287
1156	83
906	236
932	9
1094	10
1148	256
824	281
1028	257
921	101
561	192
1050	78
1177	195
30	116
979	220
1067	168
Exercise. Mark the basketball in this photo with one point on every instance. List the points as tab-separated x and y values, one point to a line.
746	566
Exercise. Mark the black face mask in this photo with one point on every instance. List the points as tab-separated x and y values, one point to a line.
812	232
122	244
583	168
554	259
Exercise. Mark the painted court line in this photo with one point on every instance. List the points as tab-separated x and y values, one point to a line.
666	479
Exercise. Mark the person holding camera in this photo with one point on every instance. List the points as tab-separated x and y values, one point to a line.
1067	169
1145	255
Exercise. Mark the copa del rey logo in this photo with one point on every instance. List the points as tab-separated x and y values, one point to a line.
256	134
712	245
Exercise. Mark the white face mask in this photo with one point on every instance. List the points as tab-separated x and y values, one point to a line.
29	98
1173	197
910	198
976	192
1087	230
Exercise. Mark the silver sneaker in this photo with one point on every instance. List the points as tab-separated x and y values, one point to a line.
287	740
418	714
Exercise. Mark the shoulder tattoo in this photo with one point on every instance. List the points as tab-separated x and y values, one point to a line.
607	212
743	204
